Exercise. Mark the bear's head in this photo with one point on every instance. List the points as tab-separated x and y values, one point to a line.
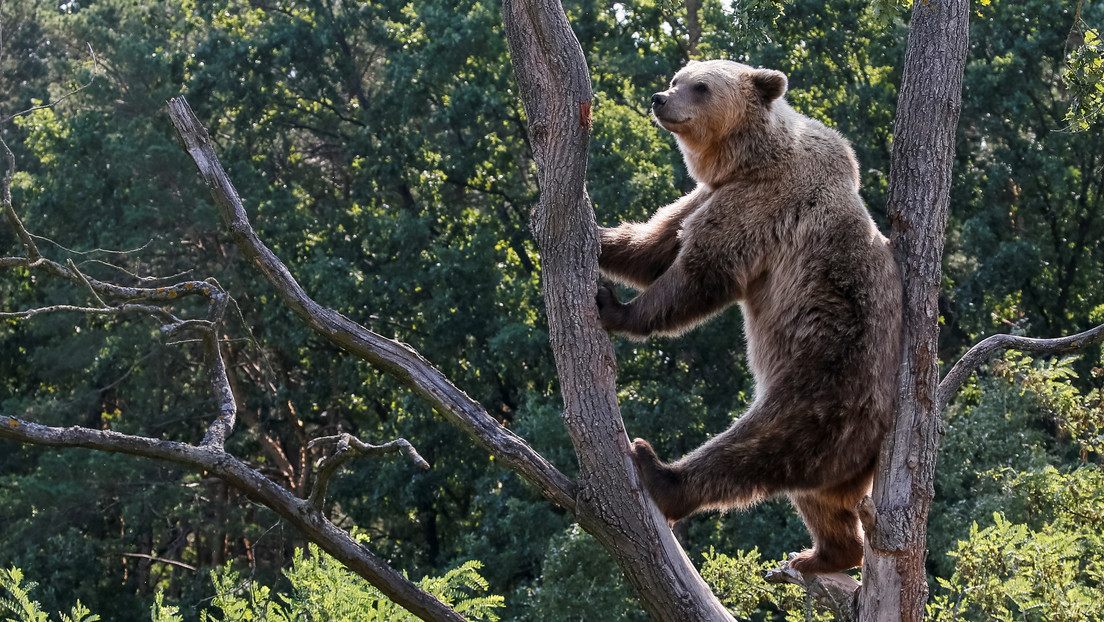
722	113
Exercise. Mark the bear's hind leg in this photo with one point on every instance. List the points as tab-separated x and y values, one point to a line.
663	483
832	518
722	474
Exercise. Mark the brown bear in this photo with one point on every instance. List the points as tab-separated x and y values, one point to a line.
776	225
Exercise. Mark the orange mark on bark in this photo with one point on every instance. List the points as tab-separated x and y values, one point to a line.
584	114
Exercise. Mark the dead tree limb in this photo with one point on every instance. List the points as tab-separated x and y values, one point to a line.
299	512
835	591
397	359
348	446
209	455
989	346
223	424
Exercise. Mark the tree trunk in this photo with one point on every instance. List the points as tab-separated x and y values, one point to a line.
610	505
894	581
693	26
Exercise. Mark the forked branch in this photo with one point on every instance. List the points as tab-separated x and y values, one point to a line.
836	591
347	446
209	456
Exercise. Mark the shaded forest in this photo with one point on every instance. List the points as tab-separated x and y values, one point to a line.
382	153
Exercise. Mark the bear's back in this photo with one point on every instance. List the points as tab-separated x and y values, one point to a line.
822	301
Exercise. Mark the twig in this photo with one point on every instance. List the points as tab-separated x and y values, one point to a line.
95	72
118	310
120	379
137	277
981	352
29	247
223	425
94	250
84	281
161	560
349	446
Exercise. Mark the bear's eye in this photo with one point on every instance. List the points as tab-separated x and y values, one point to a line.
701	87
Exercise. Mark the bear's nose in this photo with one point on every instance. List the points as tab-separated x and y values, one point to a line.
658	100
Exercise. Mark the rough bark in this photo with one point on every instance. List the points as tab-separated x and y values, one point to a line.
611	505
894	581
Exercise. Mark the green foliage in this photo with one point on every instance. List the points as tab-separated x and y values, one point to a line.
1025	421
1010	572
17	602
1024	244
738	582
579	582
323	589
1085	78
1042	555
1077	414
160	612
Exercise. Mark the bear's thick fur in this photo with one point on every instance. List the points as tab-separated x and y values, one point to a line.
776	224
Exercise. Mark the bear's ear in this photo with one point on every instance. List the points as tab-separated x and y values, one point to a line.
769	83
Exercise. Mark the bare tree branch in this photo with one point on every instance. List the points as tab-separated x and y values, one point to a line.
397	359
166	317
30	249
221	427
95	72
836	591
161	560
989	346
314	525
349	446
209	455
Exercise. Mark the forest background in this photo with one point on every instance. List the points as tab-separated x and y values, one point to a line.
381	149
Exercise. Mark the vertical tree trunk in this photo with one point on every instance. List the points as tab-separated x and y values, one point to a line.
894	581
611	505
693	26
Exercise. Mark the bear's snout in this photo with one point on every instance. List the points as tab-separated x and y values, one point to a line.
658	100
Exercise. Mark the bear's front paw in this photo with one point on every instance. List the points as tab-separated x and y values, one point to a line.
663	483
610	309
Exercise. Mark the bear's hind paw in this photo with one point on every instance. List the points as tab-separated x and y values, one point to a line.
813	561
